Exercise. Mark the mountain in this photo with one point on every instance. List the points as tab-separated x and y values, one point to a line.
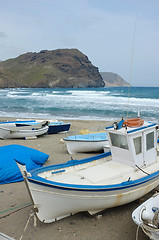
113	80
65	68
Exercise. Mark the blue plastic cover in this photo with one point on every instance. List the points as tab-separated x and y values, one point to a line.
9	171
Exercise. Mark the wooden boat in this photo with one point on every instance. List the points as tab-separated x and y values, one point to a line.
126	173
146	216
94	142
10	130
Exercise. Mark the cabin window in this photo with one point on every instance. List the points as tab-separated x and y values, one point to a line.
118	140
149	140
137	145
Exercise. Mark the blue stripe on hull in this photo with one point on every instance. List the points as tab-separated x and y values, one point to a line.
74	187
88	188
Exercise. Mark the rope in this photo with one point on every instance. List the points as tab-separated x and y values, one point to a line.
141	170
10	209
20	208
147	229
137	232
31	215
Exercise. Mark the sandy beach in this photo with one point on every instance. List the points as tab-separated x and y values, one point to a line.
112	224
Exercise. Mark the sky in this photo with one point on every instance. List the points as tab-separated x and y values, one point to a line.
119	36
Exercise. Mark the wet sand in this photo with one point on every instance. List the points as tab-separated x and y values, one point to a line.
112	224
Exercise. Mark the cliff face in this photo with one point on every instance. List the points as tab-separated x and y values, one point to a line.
113	80
65	68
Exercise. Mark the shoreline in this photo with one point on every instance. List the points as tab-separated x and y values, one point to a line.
114	224
62	119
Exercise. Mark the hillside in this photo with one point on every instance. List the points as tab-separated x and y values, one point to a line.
65	68
113	80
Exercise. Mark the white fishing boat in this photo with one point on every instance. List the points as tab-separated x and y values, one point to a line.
146	216
93	142
10	130
126	173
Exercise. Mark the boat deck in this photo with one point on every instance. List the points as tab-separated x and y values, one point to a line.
88	137
103	173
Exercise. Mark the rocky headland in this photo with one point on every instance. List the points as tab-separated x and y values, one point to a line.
61	68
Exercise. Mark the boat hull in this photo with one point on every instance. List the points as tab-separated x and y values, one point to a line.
54	127
15	134
55	203
85	146
57	128
4	133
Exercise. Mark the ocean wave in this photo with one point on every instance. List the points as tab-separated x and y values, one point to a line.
87	92
92	104
97	99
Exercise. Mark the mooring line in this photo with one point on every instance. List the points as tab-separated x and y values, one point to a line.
20	207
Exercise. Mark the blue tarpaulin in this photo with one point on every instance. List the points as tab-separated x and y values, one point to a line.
9	171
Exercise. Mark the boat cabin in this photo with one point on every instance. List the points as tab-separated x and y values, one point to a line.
135	146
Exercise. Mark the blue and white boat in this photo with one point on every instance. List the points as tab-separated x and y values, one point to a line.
54	126
126	173
58	127
9	130
93	142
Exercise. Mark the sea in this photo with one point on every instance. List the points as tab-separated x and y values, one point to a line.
108	104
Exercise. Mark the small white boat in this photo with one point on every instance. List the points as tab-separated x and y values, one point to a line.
146	216
94	142
54	126
107	180
10	130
